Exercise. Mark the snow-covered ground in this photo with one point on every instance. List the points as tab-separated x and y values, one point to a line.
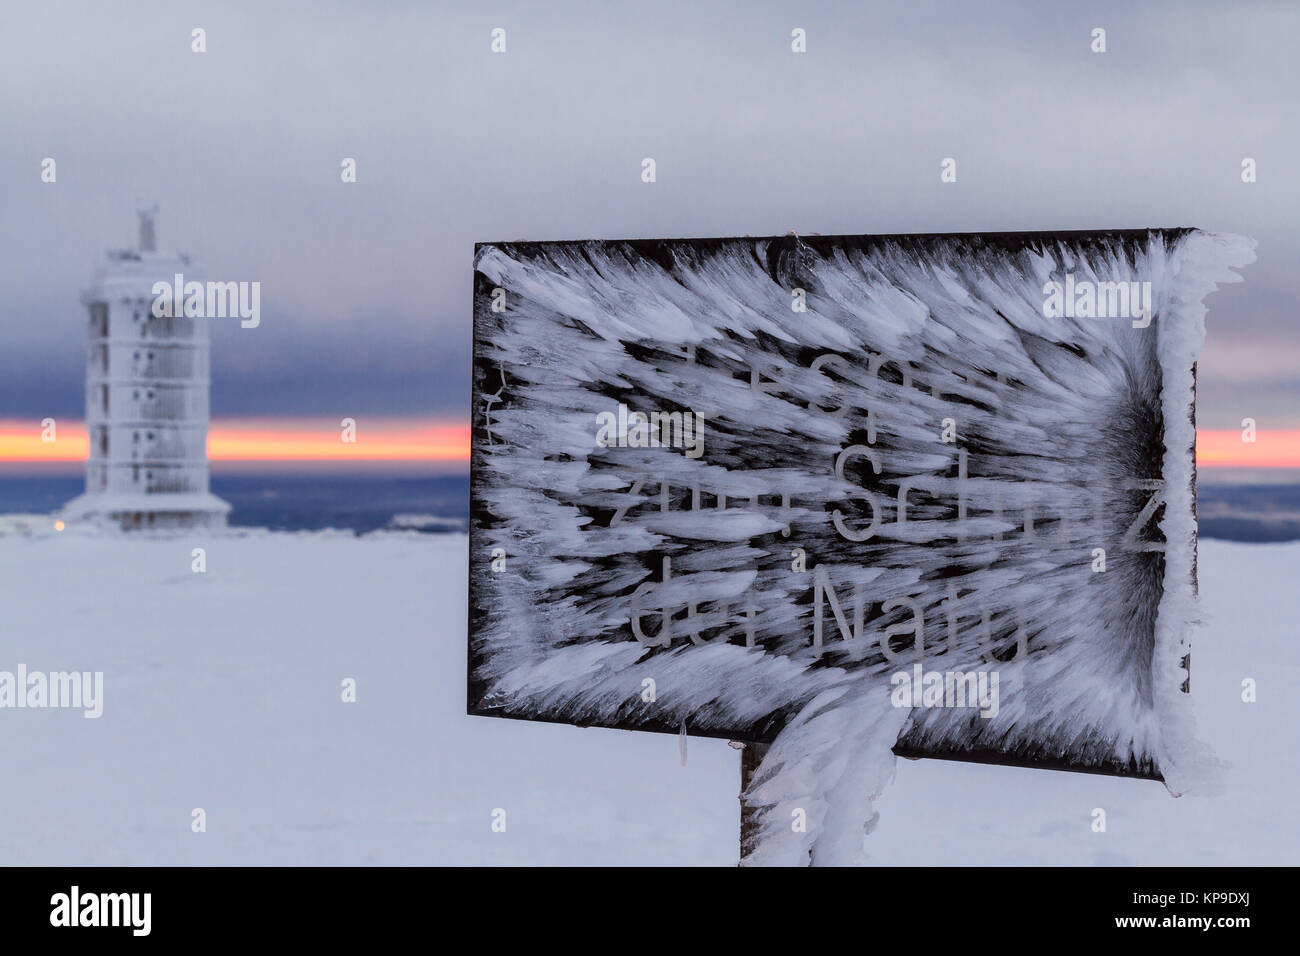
222	691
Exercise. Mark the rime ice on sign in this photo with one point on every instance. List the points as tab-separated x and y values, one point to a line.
911	465
146	399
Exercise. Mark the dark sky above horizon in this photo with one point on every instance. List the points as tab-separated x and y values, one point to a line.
366	287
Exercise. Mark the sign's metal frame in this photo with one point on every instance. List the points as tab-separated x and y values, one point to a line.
756	742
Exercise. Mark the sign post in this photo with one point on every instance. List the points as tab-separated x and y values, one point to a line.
849	497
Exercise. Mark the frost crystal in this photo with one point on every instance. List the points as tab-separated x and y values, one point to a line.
856	496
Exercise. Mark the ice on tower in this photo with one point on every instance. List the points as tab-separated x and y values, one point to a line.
147	386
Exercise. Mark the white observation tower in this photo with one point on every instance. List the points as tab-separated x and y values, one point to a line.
146	398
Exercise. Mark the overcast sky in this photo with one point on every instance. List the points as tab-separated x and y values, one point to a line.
366	287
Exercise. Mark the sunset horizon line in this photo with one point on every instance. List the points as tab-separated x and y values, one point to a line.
446	441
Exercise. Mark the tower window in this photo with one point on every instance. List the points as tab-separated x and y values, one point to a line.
99	318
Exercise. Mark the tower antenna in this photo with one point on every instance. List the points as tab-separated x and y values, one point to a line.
147	214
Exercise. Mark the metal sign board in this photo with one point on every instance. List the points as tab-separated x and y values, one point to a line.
714	480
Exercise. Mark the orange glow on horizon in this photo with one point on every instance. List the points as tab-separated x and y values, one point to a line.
314	440
1223	448
288	440
433	440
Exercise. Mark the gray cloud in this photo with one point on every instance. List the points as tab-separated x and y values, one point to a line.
366	287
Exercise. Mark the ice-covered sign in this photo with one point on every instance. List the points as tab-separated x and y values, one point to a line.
925	494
